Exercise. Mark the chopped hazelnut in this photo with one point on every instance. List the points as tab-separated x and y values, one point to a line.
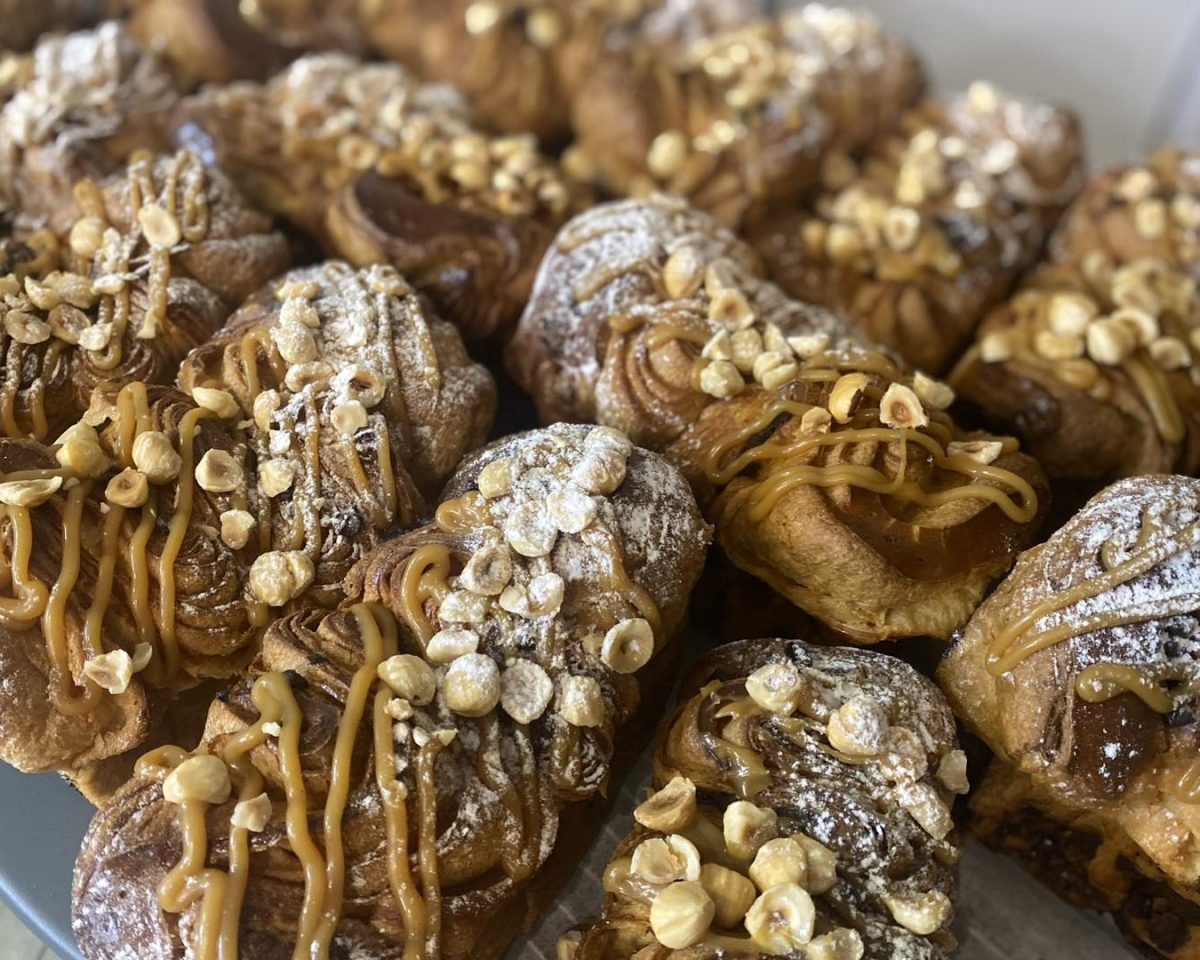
409	677
747	827
1170	353
111	671
952	772
525	691
901	408
671	809
471	686
449	644
488	571
28	493
1110	342
981	451
840	944
667	155
818	420
349	417
496	479
731	893
923	914
529	529
201	779
463	606
80	451
996	347
775	687
218	401
154	456
721	379
219	472
276	476
664	860
781	920
128	489
280	576
681	914
236	527
252	815
843	399
781	860
858	727
683	273
26	328
581	701
571	510
602	470
628	646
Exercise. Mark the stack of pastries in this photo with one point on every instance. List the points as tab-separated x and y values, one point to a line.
351	673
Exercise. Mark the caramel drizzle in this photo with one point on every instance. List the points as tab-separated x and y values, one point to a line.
324	874
424	579
769	490
1018	640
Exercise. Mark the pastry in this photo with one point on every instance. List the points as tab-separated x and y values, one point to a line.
142	267
147	546
24	22
403	777
91	99
222	40
1092	361
934	225
521	62
737	120
829	470
800	807
1080	673
383	169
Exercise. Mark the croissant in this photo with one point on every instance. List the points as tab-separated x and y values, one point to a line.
92	98
148	545
801	806
1091	362
152	261
1078	672
223	40
829	471
403	777
24	22
521	62
914	246
738	120
382	168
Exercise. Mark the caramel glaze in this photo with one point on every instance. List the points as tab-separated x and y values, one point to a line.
220	893
185	198
1100	682
31	599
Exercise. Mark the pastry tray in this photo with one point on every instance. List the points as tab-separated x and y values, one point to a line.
1003	912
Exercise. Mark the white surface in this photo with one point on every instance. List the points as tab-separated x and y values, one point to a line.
1130	69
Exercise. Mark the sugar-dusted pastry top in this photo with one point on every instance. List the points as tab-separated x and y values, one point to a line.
649	317
150	541
736	119
392	779
90	100
916	241
800	806
382	168
1092	360
144	266
1080	673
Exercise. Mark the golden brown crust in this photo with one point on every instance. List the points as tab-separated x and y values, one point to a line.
521	62
650	317
1092	360
381	168
145	265
1078	672
862	809
935	224
483	787
202	514
218	41
737	120
91	100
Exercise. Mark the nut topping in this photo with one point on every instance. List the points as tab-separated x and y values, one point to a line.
900	408
252	815
923	914
409	677
449	644
781	860
200	779
525	691
219	472
128	489
281	575
781	920
276	476
112	671
952	772
581	701
349	417
820	865
747	827
663	861
671	809
775	687
981	451
721	379
932	392
220	402
628	646
471	686
529	529
154	456
571	511
683	273
840	944
680	916
858	727
80	451
496	479
236	527
843	399
731	893
28	493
